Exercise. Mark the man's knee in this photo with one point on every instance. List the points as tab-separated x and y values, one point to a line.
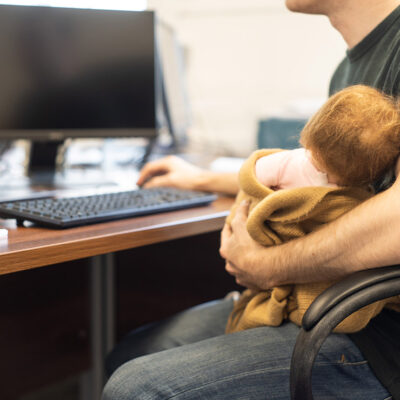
124	384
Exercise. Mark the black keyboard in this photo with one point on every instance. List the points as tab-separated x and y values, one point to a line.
74	211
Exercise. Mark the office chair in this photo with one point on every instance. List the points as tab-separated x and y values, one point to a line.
328	310
282	133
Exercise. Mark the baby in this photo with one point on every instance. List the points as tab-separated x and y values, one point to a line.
353	140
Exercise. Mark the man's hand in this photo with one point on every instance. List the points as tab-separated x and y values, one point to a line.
243	255
176	172
363	238
170	171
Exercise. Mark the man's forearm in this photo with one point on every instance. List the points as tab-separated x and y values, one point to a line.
219	182
366	237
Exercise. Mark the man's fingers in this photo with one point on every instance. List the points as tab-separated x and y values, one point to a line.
243	209
240	218
157	181
225	235
151	169
226	230
230	269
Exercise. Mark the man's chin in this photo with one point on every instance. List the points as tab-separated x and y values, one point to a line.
305	6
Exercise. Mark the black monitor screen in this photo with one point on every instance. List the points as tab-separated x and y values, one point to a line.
77	72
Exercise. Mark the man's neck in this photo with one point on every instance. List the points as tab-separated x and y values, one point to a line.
368	15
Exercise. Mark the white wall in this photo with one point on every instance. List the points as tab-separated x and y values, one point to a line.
248	59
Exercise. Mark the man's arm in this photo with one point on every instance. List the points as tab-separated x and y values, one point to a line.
366	237
176	172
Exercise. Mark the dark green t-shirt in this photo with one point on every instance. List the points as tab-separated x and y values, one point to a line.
375	61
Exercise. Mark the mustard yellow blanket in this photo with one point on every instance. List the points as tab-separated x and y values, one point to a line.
276	217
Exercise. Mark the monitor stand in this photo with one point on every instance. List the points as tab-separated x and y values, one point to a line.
42	162
42	170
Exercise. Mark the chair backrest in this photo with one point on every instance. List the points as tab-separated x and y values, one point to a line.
283	133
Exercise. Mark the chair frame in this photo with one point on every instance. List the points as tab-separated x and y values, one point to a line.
327	311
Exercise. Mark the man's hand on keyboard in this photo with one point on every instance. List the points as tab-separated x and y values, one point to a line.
171	171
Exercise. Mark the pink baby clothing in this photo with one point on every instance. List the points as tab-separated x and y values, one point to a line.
289	169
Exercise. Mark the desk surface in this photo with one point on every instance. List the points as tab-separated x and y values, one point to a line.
33	247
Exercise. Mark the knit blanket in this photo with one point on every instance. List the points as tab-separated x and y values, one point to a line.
276	217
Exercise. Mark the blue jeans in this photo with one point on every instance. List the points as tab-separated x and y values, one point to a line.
189	357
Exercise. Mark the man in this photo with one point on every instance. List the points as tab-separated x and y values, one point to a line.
200	362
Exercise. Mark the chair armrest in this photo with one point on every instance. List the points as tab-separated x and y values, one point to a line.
327	311
350	285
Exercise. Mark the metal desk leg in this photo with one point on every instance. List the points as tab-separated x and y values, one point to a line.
102	335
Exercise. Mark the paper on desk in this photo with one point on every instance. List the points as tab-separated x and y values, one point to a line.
227	164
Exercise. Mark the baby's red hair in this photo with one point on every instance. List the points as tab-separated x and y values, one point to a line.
355	135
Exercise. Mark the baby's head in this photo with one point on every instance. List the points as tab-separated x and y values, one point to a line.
355	135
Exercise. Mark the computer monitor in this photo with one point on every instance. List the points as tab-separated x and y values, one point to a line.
76	73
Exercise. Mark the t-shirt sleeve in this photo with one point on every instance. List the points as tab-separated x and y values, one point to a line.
268	168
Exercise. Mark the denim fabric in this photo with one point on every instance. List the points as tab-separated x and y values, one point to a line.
189	357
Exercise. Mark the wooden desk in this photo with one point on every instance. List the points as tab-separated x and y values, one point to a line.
33	247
